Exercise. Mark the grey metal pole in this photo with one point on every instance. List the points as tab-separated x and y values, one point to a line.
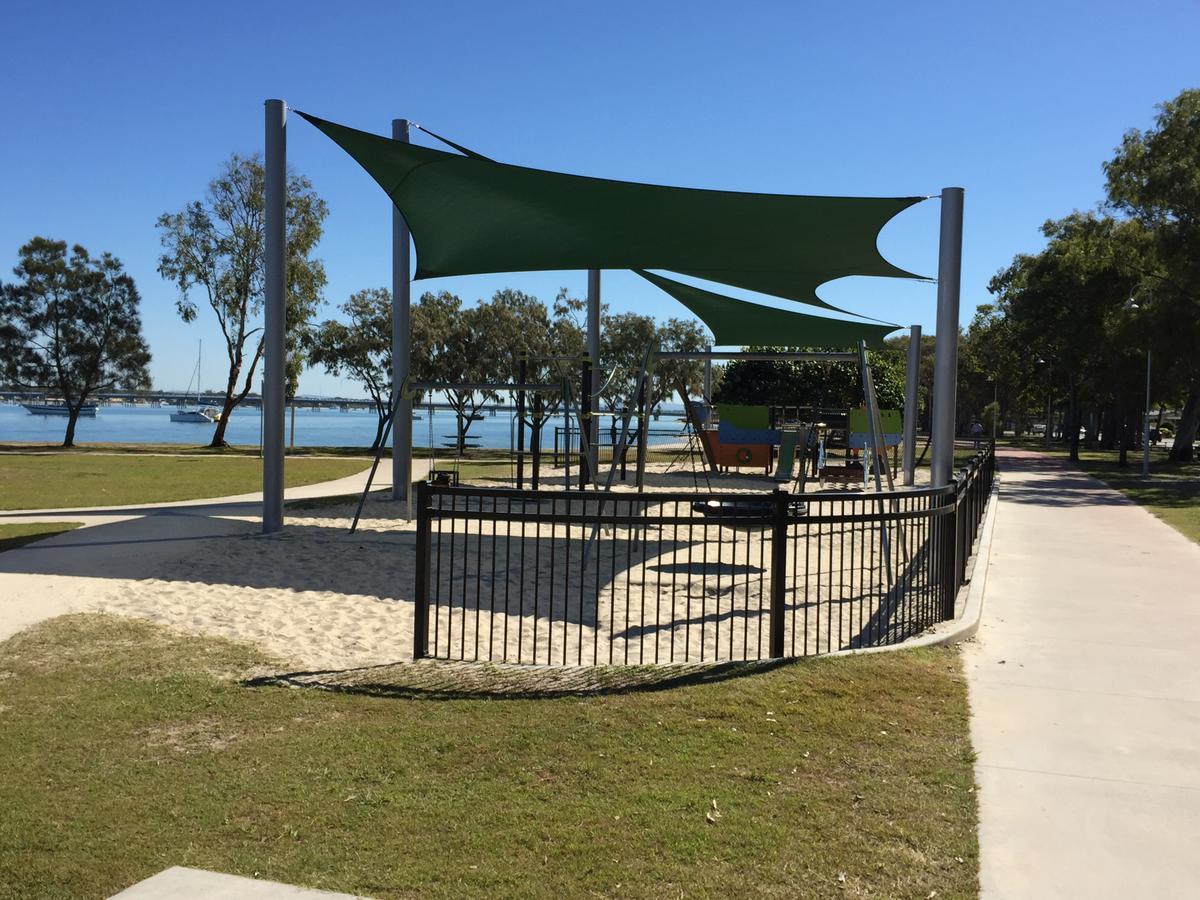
401	341
945	361
912	384
995	406
274	360
593	351
1146	428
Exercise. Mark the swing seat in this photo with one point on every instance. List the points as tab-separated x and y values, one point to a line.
751	511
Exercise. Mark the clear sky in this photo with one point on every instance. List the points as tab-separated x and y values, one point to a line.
114	113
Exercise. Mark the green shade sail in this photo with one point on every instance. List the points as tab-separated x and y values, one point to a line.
741	323
469	215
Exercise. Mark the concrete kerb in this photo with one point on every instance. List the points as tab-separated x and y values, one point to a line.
970	595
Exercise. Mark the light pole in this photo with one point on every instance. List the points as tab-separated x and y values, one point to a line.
1046	436
1131	304
1146	429
995	406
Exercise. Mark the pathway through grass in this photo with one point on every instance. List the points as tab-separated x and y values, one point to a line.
1172	492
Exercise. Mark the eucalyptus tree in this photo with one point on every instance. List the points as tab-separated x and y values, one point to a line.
1059	306
215	247
454	344
71	323
360	347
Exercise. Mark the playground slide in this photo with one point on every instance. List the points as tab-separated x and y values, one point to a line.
787	456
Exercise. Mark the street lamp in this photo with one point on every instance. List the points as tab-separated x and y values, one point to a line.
1046	437
995	406
1130	304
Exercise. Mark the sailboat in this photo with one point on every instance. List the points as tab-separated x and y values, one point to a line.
196	415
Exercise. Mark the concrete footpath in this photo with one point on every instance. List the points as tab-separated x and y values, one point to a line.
1085	693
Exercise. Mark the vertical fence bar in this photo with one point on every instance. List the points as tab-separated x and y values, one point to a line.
779	527
421	608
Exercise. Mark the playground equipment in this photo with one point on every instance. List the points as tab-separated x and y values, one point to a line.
473	215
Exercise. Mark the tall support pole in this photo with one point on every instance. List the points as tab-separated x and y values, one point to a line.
593	351
912	384
945	360
274	362
401	342
1146	425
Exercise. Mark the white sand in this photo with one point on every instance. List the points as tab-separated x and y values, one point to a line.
323	599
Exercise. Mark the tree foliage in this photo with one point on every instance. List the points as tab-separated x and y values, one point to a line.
1072	324
828	386
360	347
216	246
1154	178
71	323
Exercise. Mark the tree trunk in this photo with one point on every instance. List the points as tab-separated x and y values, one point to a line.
381	418
1071	422
1108	429
1123	456
72	418
218	438
1181	449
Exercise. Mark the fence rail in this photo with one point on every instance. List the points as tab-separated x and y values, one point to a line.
586	578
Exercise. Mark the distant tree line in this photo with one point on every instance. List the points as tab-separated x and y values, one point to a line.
486	343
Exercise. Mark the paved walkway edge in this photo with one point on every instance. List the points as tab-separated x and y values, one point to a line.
970	597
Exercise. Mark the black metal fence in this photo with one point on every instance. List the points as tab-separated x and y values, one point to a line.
586	578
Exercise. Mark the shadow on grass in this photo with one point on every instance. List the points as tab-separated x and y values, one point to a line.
436	680
18	535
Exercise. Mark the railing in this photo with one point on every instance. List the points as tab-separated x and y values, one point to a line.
586	578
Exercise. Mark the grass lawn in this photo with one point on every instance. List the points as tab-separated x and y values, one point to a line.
45	481
129	748
18	535
1172	493
250	450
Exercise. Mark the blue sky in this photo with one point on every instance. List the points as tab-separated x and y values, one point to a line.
114	113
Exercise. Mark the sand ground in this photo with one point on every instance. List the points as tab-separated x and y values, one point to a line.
322	598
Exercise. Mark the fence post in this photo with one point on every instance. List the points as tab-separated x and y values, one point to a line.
522	375
779	534
947	563
421	606
585	428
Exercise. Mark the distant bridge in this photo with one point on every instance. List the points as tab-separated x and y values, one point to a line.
211	398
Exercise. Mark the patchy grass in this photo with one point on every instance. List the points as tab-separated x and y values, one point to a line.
14	535
128	749
55	481
1172	492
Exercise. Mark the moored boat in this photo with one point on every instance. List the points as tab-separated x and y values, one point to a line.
87	411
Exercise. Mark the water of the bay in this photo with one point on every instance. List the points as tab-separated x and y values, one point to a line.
314	428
